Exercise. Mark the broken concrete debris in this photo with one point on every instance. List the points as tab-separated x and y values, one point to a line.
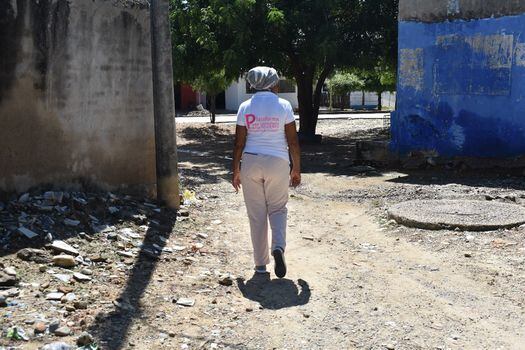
83	247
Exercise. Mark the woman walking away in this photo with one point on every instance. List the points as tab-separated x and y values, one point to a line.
265	138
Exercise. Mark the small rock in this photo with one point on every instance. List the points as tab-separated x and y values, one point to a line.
57	346
81	277
53	326
62	331
24	198
308	238
125	254
54	296
80	305
64	260
186	302
63	277
39	327
468	255
7	280
84	339
27	232
202	235
86	272
63	247
226	281
71	223
10	271
3	302
65	289
36	255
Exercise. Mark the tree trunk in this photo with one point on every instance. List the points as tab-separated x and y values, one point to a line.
363	100
307	119
379	101
309	99
213	100
331	101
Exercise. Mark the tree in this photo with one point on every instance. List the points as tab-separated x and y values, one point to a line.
379	79
309	39
205	54
304	39
212	83
343	83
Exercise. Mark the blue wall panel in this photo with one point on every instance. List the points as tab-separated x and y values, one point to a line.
461	88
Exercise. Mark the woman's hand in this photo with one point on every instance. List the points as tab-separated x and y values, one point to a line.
295	177
236	181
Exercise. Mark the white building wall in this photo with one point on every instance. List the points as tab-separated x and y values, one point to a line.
371	100
236	94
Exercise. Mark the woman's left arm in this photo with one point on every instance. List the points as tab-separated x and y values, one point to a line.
240	142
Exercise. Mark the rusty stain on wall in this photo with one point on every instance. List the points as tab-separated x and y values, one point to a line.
411	70
77	109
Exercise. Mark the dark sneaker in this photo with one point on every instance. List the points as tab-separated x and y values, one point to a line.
280	264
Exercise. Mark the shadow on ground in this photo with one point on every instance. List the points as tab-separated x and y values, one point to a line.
274	294
211	147
112	329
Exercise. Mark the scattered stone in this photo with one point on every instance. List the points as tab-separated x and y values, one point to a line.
84	339
7	280
186	302
27	232
63	247
125	254
71	222
64	261
3	302
98	259
53	326
39	327
309	238
226	281
80	305
35	255
10	271
468	255
24	198
86	272
57	346
62	331
54	296
63	277
81	277
202	235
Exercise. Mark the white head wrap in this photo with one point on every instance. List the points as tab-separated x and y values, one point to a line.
262	78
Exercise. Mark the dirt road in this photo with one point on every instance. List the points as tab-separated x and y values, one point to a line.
356	281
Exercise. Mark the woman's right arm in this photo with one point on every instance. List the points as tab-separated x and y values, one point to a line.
240	142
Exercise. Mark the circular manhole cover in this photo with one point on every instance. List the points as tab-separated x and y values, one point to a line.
467	215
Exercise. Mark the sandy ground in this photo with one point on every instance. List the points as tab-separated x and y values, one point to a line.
356	280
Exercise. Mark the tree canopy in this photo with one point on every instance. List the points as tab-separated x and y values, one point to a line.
304	39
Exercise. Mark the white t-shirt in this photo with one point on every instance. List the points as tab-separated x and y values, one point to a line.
265	116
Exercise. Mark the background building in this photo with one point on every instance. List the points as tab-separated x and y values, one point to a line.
461	82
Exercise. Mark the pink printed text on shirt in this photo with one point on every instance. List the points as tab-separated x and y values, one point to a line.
261	124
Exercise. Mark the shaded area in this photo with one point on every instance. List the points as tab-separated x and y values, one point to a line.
112	329
45	213
275	294
211	147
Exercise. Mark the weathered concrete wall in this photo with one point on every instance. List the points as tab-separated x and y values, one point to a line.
461	83
75	94
440	10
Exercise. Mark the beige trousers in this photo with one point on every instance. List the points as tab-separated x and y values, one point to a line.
265	181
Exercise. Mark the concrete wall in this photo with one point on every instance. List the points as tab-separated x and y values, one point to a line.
461	87
75	94
236	94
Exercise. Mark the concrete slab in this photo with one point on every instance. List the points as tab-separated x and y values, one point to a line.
467	215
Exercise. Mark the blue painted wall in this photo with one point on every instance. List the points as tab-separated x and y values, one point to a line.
461	88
